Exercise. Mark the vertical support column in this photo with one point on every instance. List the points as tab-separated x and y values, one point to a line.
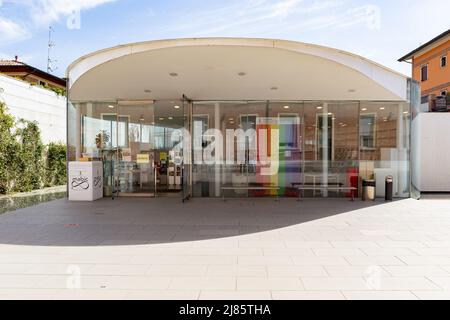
360	162
400	155
217	171
325	152
302	145
191	133
78	146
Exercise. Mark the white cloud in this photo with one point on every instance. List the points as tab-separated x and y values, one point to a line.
44	12
11	31
41	13
283	8
237	16
263	17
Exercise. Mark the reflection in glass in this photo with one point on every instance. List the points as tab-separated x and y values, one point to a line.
323	145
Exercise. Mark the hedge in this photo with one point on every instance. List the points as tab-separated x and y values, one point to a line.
26	164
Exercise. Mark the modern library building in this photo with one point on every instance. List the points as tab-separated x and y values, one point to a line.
234	117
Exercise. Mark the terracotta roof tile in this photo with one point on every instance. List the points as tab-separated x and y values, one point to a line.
11	63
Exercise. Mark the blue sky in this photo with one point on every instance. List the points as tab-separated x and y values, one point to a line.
380	30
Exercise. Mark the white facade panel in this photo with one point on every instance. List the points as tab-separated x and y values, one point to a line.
32	103
431	155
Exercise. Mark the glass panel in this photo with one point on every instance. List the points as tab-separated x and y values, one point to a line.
90	136
412	128
237	125
132	133
288	117
258	149
331	148
237	144
343	170
202	174
385	125
72	135
168	146
316	143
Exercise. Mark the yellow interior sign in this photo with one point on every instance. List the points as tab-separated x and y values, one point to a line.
143	158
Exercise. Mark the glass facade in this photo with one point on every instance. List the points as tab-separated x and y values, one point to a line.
244	148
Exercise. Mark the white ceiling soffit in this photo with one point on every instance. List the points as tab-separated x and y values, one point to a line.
209	68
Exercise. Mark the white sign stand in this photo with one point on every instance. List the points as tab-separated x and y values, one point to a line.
85	181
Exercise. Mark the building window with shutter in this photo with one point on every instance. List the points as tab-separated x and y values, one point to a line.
443	61
424	73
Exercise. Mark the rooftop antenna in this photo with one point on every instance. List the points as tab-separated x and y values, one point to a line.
51	45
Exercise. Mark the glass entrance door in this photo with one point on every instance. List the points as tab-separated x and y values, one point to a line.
136	166
149	143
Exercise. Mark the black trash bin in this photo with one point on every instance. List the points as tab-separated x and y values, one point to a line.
389	188
368	187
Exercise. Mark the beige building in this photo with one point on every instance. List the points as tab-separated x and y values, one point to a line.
27	73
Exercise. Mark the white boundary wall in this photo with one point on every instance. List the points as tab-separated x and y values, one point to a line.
35	104
431	152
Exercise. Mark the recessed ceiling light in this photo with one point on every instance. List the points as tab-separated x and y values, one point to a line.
364	109
173	74
406	112
382	108
161	119
241	74
170	118
176	107
287	107
319	108
111	107
330	114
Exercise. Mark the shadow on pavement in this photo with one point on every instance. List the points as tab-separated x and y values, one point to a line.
134	221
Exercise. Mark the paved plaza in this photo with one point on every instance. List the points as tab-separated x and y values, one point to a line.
239	249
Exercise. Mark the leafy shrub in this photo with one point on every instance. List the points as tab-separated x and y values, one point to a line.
31	161
56	165
9	151
24	164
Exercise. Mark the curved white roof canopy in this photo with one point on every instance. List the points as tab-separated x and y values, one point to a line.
209	68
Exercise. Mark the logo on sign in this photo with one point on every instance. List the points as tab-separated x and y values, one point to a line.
80	183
